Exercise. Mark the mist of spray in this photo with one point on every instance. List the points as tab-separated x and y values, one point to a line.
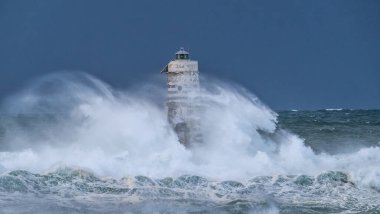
79	121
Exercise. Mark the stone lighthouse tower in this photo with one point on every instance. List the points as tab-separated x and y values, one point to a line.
183	97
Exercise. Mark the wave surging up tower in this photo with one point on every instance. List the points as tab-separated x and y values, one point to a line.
183	100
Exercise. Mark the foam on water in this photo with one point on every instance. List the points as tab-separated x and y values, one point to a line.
329	192
125	133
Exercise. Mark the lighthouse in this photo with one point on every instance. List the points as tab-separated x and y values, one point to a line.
183	100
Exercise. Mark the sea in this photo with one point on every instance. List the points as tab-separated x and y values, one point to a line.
73	144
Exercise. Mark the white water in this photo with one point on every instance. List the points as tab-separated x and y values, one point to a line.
123	133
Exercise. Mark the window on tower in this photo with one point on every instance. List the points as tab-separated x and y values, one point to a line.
182	56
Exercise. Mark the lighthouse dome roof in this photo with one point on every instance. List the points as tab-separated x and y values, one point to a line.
182	51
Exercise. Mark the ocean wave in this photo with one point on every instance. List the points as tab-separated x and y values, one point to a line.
334	109
331	189
246	160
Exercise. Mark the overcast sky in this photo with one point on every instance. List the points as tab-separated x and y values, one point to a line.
292	54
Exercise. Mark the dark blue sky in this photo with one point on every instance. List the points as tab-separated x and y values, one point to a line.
292	54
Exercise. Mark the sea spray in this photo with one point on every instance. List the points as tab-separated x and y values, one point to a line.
118	133
81	146
77	120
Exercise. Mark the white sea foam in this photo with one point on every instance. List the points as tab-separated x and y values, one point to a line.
334	109
123	133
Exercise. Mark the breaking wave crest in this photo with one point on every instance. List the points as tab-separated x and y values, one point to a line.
258	193
76	120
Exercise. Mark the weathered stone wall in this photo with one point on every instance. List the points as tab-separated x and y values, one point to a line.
183	93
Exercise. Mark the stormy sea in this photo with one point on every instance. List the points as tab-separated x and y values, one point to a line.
70	143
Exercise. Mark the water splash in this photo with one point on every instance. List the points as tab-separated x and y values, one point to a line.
77	120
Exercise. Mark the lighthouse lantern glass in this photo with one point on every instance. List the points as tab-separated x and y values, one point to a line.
182	56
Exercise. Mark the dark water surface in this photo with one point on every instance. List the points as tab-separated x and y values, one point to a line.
334	131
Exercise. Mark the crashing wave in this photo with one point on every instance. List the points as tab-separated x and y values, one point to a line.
246	161
332	190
